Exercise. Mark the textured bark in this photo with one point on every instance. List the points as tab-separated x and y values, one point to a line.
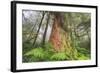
55	37
59	38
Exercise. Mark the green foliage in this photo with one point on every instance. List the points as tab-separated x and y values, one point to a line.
59	56
46	53
48	45
34	55
83	53
37	52
26	47
74	54
82	57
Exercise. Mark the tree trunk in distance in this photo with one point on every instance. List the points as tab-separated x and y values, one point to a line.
39	28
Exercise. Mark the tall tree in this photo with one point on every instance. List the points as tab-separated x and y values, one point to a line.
55	37
39	28
45	32
59	38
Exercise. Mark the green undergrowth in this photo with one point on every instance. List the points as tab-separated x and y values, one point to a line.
46	53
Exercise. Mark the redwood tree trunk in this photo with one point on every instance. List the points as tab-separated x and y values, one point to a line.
59	38
55	37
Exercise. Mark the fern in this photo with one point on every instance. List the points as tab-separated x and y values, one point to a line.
37	52
59	56
46	53
82	56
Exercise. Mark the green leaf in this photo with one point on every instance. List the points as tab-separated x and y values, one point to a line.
82	57
59	56
37	52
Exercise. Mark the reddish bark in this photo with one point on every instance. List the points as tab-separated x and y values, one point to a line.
55	37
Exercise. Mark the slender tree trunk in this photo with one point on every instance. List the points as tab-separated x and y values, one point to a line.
39	28
44	36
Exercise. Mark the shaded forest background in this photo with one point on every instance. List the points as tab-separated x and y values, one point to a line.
55	36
